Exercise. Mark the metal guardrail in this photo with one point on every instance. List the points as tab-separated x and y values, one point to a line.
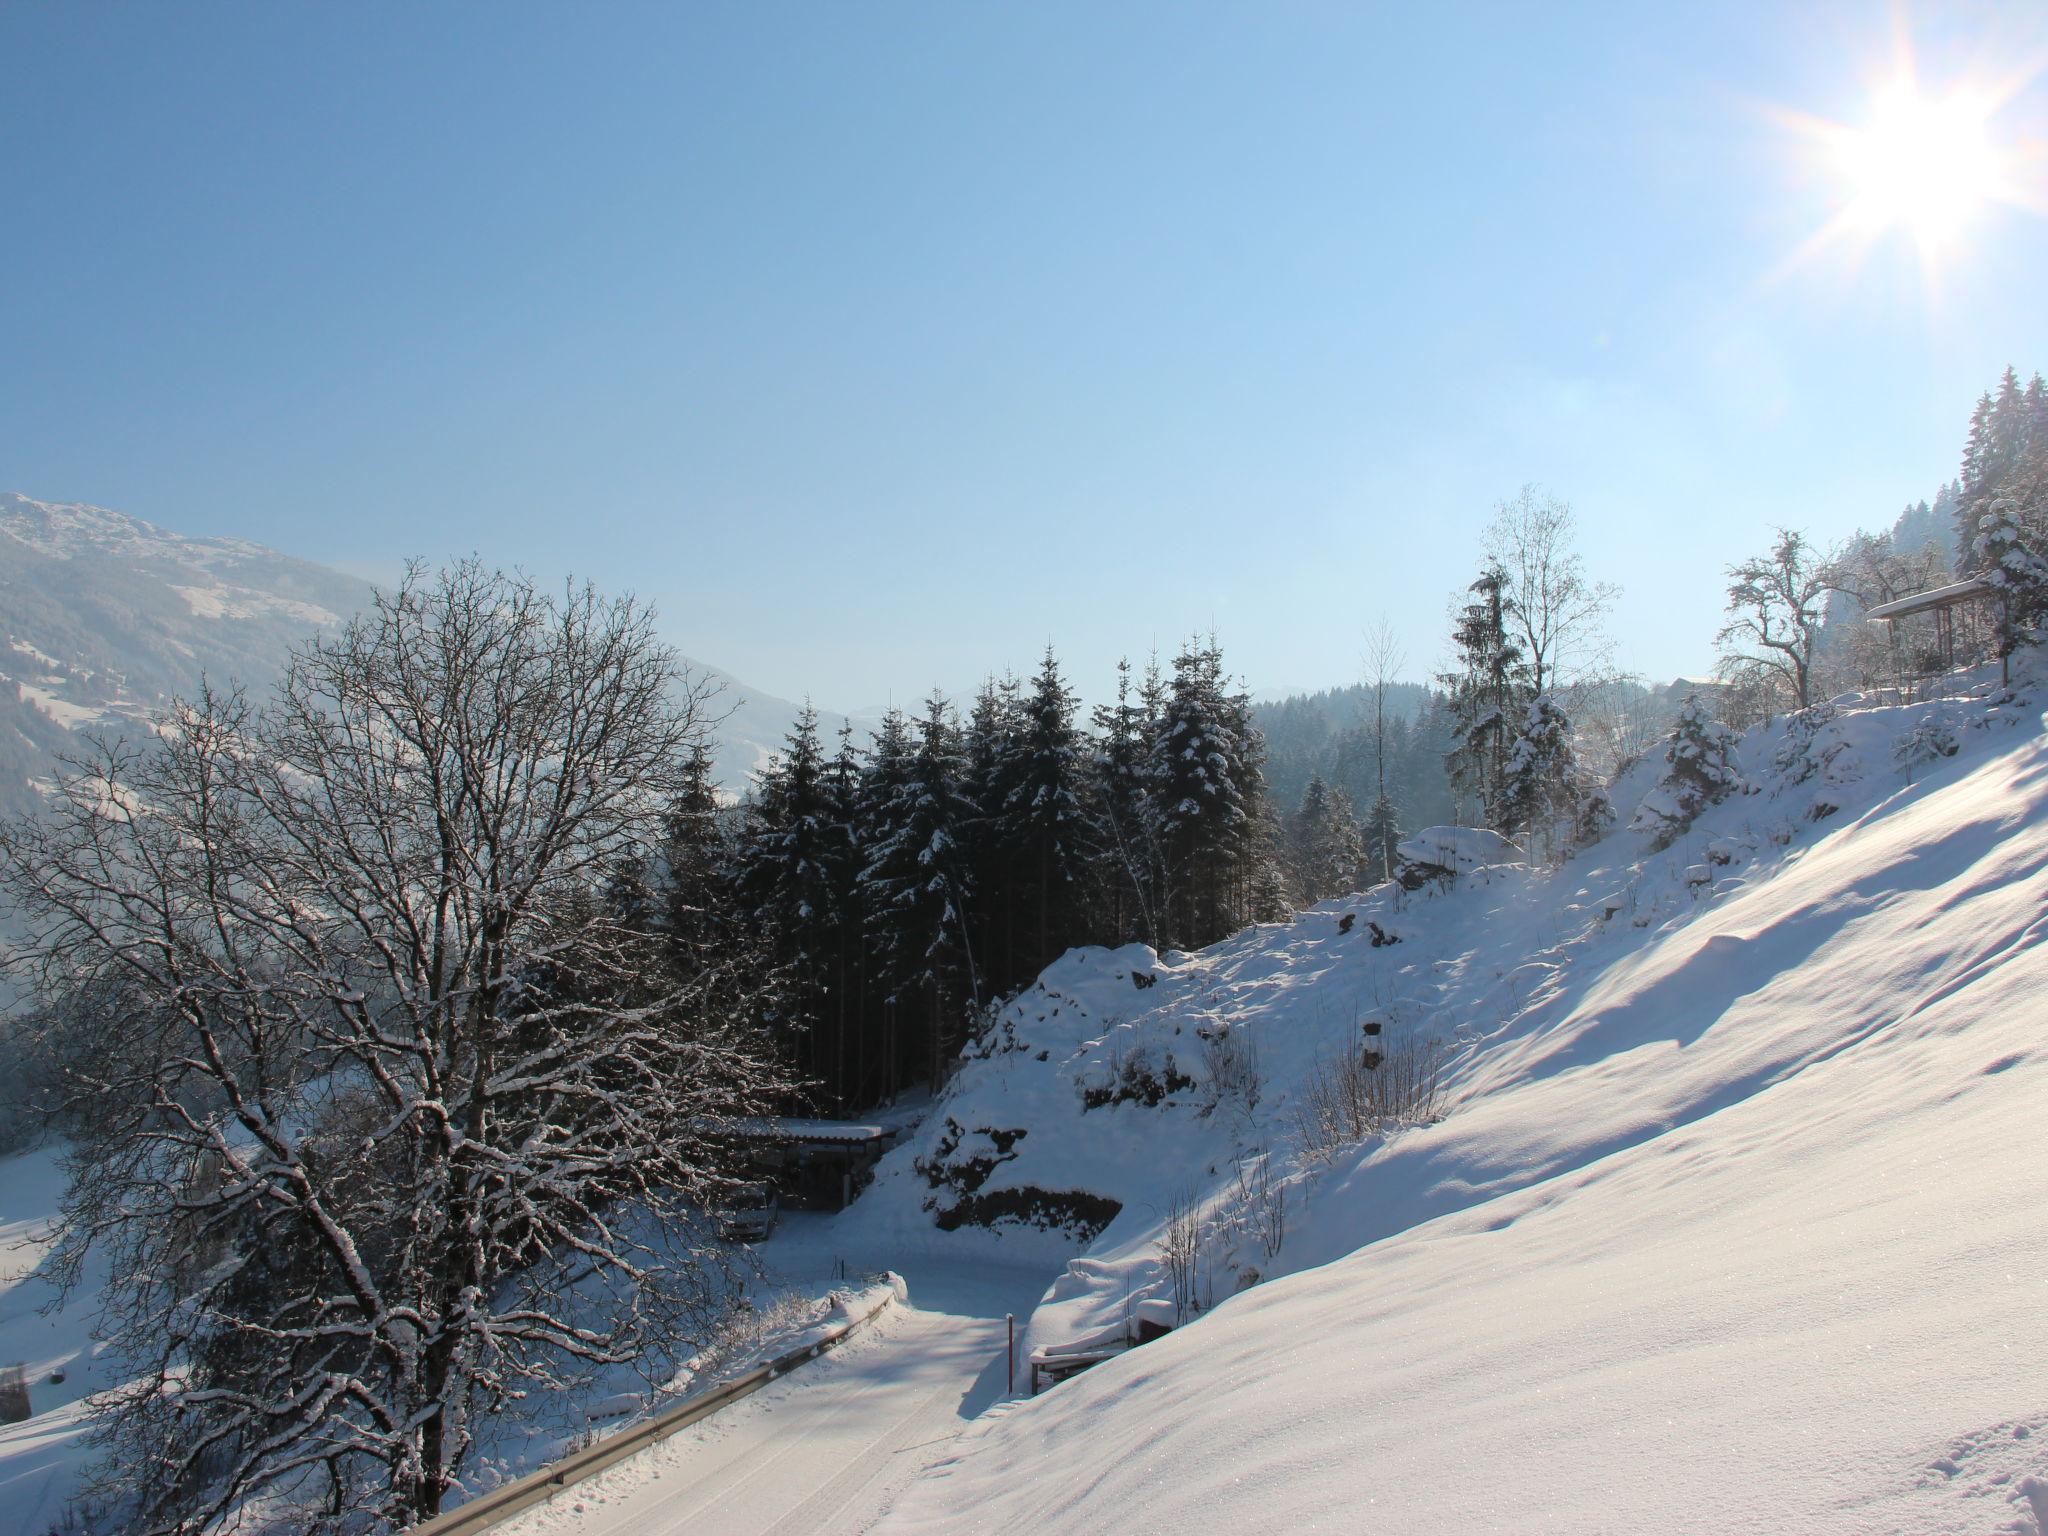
501	1503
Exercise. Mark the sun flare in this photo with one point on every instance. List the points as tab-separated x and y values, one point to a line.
1919	164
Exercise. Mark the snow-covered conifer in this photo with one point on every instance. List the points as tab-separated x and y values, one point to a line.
1700	771
1539	790
1323	851
2012	564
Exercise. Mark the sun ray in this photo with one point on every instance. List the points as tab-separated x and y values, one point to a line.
1923	166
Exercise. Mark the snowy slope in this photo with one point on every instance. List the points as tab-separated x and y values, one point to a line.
1732	1220
104	616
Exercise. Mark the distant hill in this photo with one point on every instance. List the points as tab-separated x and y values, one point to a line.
104	618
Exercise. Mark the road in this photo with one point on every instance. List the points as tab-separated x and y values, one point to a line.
824	1451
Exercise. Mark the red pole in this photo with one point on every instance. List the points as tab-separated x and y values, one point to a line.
1010	1319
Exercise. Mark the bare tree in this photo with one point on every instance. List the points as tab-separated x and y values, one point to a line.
1775	606
1383	660
395	1119
1555	614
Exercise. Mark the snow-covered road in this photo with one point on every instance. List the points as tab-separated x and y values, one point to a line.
827	1449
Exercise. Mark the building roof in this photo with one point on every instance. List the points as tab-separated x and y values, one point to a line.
789	1128
1937	597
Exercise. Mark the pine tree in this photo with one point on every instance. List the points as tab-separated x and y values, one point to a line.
1539	794
1995	459
848	1077
1203	779
1487	694
991	769
786	881
1121	825
916	882
1701	771
889	943
1043	819
698	883
1323	847
2014	568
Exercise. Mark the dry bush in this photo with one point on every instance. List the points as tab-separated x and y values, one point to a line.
1368	1088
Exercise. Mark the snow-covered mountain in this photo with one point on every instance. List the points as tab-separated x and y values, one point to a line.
104	617
1728	1217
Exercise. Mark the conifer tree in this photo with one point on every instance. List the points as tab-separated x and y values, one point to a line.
1540	793
1121	823
1700	771
2013	566
1486	697
848	1073
1323	847
1197	784
889	942
787	886
1999	451
916	881
1043	819
701	914
991	754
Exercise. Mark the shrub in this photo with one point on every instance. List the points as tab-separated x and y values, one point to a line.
1368	1089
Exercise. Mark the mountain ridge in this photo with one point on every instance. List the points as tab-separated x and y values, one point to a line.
105	617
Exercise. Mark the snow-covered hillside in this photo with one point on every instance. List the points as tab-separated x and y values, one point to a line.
1731	1218
104	617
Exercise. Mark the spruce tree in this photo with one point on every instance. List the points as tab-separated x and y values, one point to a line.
786	880
1043	819
2012	565
1700	771
888	937
1203	781
1120	816
1995	458
916	881
1539	794
1323	847
991	768
1487	695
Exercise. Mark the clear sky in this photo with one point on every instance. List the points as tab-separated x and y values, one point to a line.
881	344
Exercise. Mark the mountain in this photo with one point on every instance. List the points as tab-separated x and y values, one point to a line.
105	617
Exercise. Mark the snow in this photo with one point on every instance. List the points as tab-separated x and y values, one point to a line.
63	711
41	1458
1457	848
1728	1216
828	1447
1731	1221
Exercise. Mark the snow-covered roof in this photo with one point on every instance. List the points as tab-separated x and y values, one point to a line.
1935	597
794	1128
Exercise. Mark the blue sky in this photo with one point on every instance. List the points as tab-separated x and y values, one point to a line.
879	345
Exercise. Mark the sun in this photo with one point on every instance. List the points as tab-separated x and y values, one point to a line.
1919	164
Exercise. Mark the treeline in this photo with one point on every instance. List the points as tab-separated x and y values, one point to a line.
1334	735
904	883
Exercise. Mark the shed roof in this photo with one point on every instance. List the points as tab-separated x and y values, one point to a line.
1936	597
790	1128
